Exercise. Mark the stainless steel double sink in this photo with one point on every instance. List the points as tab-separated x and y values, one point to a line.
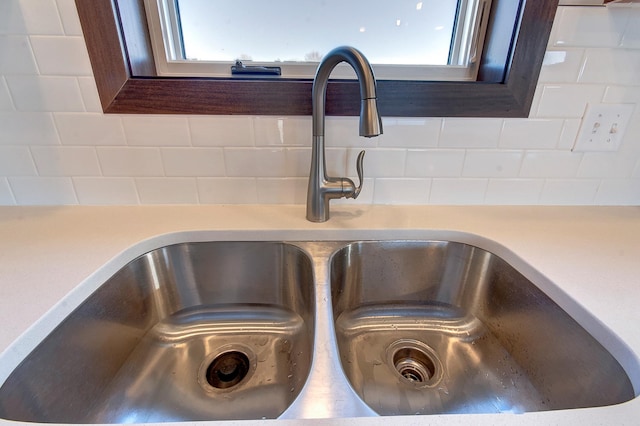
252	330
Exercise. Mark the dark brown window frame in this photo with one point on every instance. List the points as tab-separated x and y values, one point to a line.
119	48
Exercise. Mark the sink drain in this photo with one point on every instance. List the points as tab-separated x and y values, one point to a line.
415	362
227	369
414	365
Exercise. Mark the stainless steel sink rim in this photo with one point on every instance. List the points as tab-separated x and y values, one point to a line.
327	391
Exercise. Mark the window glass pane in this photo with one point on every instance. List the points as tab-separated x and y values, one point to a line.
409	32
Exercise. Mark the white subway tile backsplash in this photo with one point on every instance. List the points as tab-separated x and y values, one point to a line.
611	66
227	190
89	94
345	132
69	17
570	131
458	191
43	190
130	161
589	26
567	100
470	133
619	192
16	56
514	191
409	133
12	21
281	190
6	104
339	162
434	162
402	191
193	161
221	131
33	128
606	164
16	161
106	190
561	65
6	196
298	160
631	36
57	55
57	147
45	93
256	162
156	130
40	16
535	104
531	133
492	163
569	191
89	129
66	160
622	95
379	162
167	190
550	164
282	131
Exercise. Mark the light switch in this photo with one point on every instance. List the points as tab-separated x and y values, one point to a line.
603	127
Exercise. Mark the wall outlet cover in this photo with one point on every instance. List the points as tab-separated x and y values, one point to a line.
603	127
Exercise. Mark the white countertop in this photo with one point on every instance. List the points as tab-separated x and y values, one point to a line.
585	258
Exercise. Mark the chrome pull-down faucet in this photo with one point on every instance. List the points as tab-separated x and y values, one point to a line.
323	188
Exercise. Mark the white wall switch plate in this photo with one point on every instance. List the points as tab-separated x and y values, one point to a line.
603	127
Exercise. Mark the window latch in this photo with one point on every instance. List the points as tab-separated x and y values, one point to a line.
241	69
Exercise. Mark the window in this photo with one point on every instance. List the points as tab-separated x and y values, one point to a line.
118	43
403	39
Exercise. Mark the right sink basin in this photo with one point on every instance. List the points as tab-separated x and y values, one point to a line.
432	327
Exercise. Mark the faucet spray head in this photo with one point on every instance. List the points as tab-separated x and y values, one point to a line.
370	120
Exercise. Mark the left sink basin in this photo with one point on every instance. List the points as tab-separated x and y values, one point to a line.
188	332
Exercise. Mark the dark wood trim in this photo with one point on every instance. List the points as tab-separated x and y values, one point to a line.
120	53
108	58
136	37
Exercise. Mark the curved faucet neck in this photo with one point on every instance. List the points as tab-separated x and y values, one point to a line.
370	124
323	188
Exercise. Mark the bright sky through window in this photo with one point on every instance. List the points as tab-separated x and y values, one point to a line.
406	32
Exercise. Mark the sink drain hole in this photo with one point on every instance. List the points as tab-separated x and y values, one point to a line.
227	369
414	365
